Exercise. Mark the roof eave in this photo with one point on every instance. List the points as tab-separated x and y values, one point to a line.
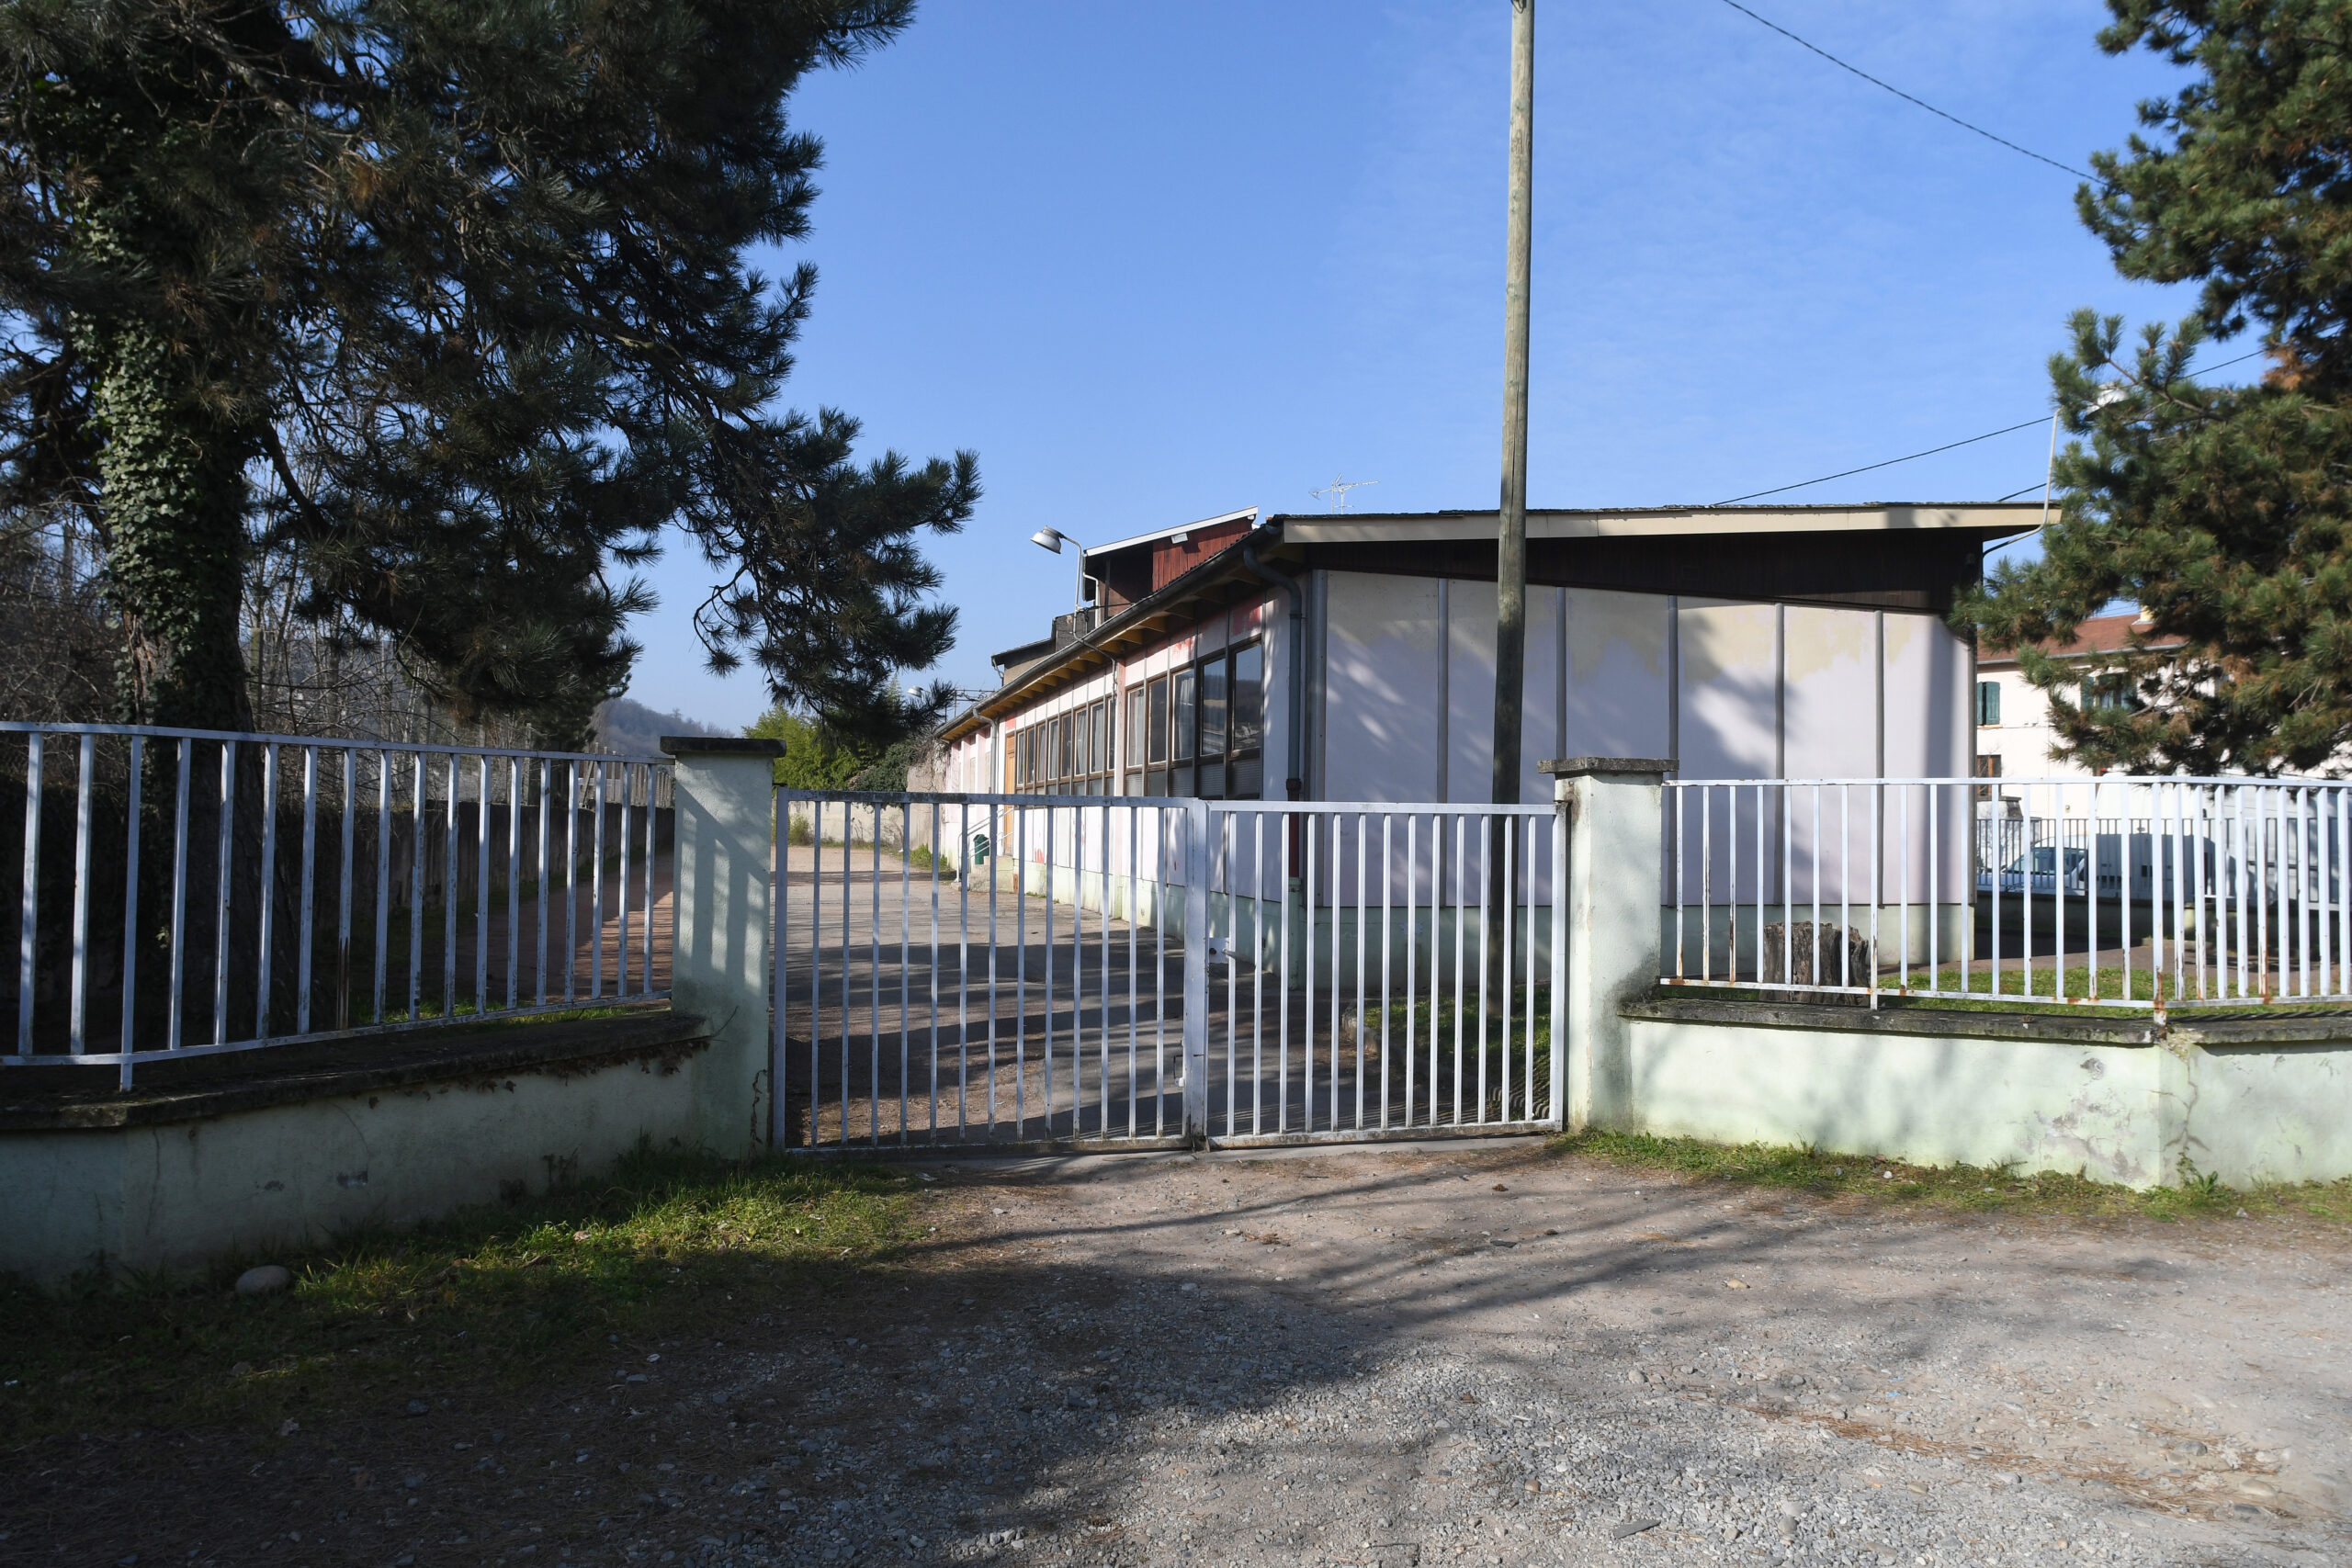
1138	617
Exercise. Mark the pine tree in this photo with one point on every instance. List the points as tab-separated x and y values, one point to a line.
2222	511
452	298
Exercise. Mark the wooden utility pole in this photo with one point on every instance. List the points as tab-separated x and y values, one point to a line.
1511	542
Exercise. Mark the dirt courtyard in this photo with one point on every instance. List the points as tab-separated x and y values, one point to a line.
1473	1353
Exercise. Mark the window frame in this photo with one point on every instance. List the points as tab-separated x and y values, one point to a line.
1151	761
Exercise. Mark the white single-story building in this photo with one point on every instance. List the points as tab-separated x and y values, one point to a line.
1351	656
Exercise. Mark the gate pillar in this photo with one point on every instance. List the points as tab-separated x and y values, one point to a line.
1614	834
719	952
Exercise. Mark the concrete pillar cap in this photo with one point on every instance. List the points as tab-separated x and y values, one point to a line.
1585	767
719	746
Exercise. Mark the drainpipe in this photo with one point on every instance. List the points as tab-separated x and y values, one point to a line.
1294	783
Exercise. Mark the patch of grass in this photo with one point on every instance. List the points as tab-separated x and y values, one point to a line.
492	1296
1959	1188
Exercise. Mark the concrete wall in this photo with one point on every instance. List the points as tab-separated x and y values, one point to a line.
2038	1094
174	1194
1925	1098
2279	1111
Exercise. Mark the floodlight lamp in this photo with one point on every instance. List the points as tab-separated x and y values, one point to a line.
1049	539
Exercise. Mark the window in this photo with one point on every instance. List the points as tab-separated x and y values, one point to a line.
2110	693
1066	753
1179	749
1155	740
1988	702
1200	730
1211	783
1988	767
1131	782
1245	770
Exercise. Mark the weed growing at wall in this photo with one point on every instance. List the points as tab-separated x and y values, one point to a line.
1960	1187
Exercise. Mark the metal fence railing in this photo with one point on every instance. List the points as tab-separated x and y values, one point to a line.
1026	968
2129	892
184	892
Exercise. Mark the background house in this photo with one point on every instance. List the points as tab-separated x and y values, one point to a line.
2013	732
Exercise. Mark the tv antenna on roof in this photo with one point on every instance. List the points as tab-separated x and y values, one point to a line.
1337	490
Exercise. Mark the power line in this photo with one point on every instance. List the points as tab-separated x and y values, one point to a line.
2005	430
1964	125
1866	468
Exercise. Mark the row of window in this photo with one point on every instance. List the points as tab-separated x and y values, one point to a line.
1199	730
2098	691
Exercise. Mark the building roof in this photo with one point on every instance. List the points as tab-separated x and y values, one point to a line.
1997	519
2100	634
1247	514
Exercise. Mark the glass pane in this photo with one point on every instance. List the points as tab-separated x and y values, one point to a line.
1082	744
1102	736
1249	698
1213	781
1187	685
1133	784
1134	724
1066	736
1180	781
1213	708
1159	752
1247	780
1156	782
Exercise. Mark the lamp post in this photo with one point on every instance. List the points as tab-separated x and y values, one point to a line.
1054	539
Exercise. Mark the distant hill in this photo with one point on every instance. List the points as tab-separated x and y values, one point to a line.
629	728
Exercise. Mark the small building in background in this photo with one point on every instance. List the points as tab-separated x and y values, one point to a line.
1347	656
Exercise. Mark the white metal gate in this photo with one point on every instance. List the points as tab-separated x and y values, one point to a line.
1082	970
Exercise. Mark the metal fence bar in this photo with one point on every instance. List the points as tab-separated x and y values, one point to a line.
77	1018
380	955
173	1021
931	989
619	889
449	892
1135	925
1387	947
350	818
127	1040
26	942
269	888
596	888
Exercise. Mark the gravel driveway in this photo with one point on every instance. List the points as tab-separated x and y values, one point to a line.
1464	1353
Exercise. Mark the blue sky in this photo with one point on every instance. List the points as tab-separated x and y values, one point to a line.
1157	261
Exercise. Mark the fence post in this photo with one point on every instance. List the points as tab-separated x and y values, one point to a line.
719	954
1609	912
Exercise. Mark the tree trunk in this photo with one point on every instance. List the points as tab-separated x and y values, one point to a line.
173	488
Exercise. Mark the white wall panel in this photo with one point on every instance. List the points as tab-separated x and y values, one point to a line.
1728	693
1832	695
1381	700
1470	632
1617	676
